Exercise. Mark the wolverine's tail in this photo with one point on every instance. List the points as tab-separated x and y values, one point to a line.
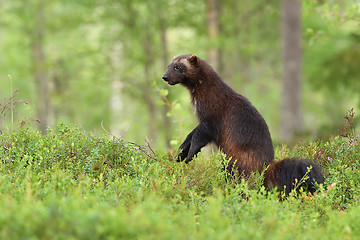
291	173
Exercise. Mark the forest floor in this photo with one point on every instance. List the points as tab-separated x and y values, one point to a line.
70	185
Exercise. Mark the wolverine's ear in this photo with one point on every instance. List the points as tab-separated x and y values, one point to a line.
194	60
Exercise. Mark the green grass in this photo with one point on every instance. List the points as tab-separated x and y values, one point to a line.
70	185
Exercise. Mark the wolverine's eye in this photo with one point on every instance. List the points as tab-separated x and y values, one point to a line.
177	67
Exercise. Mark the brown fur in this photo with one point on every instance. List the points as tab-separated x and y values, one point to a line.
231	122
269	176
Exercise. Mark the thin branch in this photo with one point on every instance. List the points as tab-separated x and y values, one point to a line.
9	105
136	146
117	138
148	144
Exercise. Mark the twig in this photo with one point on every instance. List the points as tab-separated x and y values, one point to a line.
9	105
148	144
119	140
135	145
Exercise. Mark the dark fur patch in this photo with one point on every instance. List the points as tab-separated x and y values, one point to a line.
286	174
230	121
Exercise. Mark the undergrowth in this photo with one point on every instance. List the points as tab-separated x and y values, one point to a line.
71	185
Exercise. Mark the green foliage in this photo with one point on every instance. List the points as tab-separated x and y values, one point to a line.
88	46
177	113
340	159
332	33
71	185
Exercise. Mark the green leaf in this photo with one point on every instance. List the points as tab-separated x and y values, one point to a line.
160	102
164	92
177	106
174	142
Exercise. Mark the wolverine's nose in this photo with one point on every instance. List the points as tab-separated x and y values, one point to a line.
165	77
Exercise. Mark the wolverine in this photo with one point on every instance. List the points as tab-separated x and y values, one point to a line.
229	120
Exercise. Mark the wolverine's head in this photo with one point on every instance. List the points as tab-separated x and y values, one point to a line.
181	69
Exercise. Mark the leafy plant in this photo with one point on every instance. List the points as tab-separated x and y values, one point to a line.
70	184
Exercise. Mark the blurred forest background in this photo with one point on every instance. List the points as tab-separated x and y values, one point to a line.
86	62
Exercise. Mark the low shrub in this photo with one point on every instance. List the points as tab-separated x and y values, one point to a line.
71	185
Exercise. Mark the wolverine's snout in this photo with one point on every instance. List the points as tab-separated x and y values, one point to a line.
165	77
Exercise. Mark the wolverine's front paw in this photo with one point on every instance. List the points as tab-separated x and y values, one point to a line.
181	157
189	158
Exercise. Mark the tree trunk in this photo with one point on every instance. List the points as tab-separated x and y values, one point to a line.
39	65
116	104
165	57
291	112
213	29
147	88
212	17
